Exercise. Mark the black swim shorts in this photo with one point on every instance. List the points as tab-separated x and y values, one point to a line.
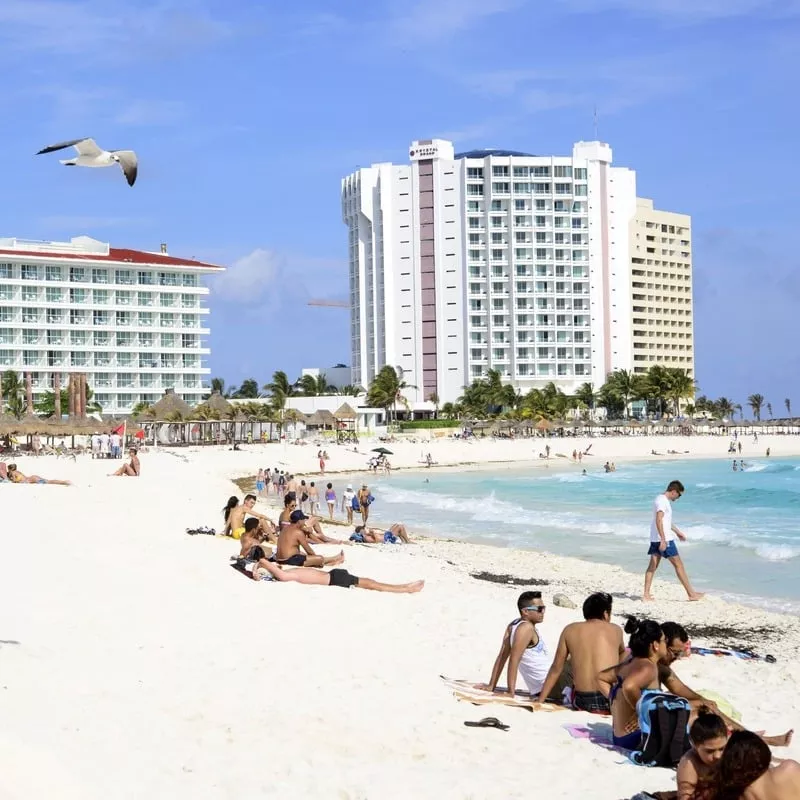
593	702
341	577
297	560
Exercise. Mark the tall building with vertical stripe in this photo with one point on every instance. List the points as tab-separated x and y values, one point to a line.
493	259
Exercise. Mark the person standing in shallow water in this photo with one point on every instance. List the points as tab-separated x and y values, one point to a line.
662	542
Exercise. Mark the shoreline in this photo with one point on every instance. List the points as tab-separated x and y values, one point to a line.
715	610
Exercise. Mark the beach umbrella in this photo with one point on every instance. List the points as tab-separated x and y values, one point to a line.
383	451
544	425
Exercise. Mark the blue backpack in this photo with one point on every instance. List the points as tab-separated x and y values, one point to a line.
664	722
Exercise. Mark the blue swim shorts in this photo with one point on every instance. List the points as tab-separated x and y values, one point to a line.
670	552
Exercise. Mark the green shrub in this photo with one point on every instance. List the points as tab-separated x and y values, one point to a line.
424	424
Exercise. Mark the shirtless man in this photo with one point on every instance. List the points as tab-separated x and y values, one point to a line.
676	639
236	520
15	476
132	469
590	647
252	547
292	539
291	485
375	536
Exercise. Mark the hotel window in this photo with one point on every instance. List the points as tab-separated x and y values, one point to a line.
499	172
580	173
189	301
562	172
475	172
6	271
563	188
146	340
189	321
188	340
168	279
581	190
146	278
6	336
146	319
77	295
124	276
55	316
189	280
145	299
78	338
30	358
125	380
30	337
78	359
103	379
521	172
125	339
100	318
78	317
147	380
52	273
473	206
77	274
6	357
124	359
168	340
520	205
501	187
102	359
54	295
123	318
168	300
55	338
167	320
474	239
29	272
541	172
99	275
30	294
522	188
101	296
123	298
475	189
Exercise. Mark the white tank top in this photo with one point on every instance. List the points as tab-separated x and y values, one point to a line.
535	662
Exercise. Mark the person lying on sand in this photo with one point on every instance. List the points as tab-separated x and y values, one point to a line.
589	646
132	469
313	531
698	770
524	650
745	772
15	476
292	539
376	536
235	515
677	639
336	577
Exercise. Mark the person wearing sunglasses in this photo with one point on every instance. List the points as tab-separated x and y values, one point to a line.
523	649
662	542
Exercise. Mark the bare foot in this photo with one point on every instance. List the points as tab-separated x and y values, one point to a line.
337	559
780	741
696	596
648	598
417	586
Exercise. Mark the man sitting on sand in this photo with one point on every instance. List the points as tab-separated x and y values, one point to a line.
676	640
15	476
375	536
263	568
132	469
236	520
590	646
524	650
292	539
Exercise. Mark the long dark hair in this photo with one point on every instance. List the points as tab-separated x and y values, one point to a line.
745	760
233	501
643	633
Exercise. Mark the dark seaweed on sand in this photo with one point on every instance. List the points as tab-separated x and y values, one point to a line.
509	579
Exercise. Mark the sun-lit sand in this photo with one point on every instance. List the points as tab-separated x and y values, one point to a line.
134	662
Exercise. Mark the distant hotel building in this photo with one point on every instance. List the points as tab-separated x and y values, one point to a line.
540	267
133	321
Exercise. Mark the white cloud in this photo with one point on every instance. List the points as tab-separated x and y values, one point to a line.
248	279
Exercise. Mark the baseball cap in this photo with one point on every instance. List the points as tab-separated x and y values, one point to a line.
297	516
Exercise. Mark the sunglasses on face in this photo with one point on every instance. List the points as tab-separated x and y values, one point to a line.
537	609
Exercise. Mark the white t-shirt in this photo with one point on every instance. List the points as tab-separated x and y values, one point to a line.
116	440
662	504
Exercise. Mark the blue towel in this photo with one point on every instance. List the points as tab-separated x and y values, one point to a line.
357	537
389	538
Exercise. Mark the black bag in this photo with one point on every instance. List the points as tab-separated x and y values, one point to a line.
664	722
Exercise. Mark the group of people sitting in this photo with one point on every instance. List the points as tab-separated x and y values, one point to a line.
292	538
579	675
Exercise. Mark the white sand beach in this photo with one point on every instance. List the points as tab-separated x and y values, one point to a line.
136	663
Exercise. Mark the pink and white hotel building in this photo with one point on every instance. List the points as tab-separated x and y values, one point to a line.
491	259
135	322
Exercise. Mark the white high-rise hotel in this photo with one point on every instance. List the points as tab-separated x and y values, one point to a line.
133	321
545	268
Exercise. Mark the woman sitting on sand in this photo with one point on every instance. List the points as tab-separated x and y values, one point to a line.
630	679
15	476
745	772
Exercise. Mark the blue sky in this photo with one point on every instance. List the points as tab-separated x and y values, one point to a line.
246	115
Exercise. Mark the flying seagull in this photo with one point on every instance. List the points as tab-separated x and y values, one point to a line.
90	155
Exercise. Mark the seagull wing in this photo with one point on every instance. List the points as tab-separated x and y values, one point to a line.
85	147
129	163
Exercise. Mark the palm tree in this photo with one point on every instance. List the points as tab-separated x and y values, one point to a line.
681	387
387	389
769	410
788	403
755	401
142	407
625	385
292	415
449	411
350	390
585	394
724	408
248	390
433	397
218	385
12	385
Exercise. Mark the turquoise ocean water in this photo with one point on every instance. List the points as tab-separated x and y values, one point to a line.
743	527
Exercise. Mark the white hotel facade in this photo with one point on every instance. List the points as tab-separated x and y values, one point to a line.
133	321
461	263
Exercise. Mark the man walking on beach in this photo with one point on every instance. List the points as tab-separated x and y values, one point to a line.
662	542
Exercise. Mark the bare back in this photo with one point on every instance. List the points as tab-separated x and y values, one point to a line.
290	540
593	646
135	466
779	783
236	517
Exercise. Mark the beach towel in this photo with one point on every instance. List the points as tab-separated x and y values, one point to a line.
727	651
664	722
466	692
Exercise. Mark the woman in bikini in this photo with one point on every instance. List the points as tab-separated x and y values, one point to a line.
15	476
631	678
